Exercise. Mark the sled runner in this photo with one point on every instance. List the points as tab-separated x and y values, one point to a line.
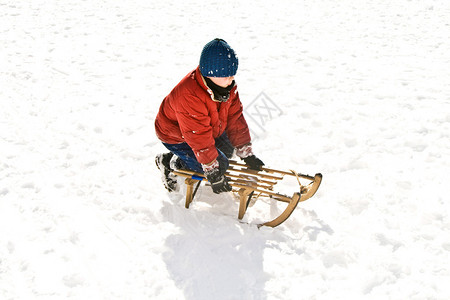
251	185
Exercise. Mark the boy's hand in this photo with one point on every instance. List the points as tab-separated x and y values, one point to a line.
253	162
215	173
219	182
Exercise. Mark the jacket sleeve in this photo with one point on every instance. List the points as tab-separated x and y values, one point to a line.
237	128
195	126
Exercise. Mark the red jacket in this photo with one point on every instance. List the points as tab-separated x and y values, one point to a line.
188	114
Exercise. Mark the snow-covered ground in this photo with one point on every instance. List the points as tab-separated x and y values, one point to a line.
364	90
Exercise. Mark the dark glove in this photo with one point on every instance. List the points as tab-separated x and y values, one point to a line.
219	182
253	162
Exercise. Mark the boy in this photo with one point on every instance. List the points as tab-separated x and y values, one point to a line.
201	121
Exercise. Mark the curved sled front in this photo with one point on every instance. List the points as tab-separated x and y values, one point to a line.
285	214
311	189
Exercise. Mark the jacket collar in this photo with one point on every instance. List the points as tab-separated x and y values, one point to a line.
201	81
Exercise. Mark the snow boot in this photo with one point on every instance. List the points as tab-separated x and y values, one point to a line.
169	179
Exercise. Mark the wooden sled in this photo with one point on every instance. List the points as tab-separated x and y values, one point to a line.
251	185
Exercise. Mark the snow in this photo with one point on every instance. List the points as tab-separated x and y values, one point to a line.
364	91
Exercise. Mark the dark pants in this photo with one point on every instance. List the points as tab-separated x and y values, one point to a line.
187	156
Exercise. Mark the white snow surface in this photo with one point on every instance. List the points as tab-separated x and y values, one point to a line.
364	87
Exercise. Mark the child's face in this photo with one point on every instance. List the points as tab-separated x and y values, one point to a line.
222	81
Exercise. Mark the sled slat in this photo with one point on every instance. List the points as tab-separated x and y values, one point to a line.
268	170
253	172
188	173
249	183
245	177
276	195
